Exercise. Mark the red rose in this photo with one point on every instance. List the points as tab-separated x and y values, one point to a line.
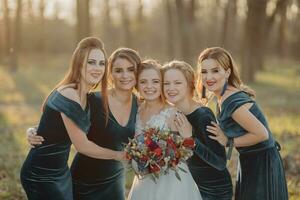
189	143
144	158
171	143
158	151
148	141
153	145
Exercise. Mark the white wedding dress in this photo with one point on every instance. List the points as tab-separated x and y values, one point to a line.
167	187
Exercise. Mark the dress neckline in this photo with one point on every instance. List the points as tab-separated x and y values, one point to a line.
139	122
130	115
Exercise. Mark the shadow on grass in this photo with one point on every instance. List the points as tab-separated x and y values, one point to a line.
11	158
29	89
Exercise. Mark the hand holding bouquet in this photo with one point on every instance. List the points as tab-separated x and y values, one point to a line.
155	152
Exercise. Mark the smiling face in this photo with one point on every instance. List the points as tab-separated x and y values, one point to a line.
123	74
149	84
213	75
93	73
176	87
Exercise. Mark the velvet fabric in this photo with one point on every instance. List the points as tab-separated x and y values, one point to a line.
96	178
45	173
208	164
260	174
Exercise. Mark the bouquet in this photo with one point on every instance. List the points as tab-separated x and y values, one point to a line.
155	152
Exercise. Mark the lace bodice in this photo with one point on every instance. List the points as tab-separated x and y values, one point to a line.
159	121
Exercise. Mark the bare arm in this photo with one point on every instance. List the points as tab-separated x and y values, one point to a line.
256	130
84	146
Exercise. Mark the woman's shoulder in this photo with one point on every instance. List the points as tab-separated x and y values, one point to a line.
202	113
234	101
236	95
69	93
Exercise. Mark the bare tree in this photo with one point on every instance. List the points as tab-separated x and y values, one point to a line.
17	37
7	30
169	29
297	28
281	43
183	31
57	10
107	21
30	10
140	13
126	25
83	19
229	24
41	24
1	35
252	55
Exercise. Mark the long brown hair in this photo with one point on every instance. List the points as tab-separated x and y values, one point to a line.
129	54
225	60
78	61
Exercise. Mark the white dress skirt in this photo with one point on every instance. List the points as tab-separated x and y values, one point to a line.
167	186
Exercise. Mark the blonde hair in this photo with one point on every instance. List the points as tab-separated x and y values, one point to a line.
225	60
151	64
78	61
187	71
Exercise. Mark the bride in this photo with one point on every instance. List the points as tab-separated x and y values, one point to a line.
155	113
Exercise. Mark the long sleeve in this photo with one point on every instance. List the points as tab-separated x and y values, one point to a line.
209	150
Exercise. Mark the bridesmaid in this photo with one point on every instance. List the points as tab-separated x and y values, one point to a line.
65	120
208	164
104	179
243	125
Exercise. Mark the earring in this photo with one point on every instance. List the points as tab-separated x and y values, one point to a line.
203	92
224	88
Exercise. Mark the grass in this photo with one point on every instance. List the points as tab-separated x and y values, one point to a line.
277	89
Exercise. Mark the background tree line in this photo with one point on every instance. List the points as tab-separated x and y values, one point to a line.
253	30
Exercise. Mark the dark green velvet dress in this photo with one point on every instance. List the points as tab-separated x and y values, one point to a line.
208	164
45	173
261	174
96	179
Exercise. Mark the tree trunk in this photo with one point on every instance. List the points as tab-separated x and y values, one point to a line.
7	30
57	10
296	49
169	31
83	19
140	13
125	25
106	23
41	27
252	56
183	31
30	10
229	24
282	30
17	38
